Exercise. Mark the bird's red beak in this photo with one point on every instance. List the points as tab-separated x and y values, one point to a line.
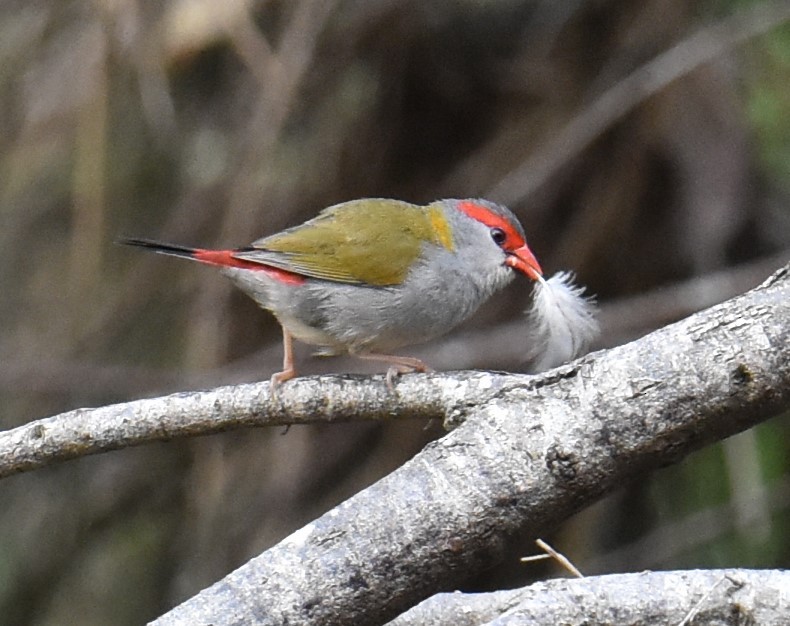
524	261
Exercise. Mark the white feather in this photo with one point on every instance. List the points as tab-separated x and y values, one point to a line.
561	321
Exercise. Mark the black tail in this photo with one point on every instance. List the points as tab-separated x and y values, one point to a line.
158	246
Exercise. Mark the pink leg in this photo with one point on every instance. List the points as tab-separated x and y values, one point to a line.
289	371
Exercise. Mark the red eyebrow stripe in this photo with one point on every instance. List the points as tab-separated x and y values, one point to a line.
486	216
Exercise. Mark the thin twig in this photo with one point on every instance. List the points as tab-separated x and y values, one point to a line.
560	558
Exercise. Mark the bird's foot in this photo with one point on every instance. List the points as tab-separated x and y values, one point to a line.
397	365
278	379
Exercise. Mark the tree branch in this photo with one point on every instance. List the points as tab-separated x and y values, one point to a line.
306	400
530	452
726	597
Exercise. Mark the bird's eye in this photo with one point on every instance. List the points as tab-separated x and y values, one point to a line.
498	235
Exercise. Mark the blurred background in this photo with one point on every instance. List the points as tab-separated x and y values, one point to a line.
646	146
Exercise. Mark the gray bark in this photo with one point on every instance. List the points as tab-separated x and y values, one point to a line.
306	400
730	597
529	452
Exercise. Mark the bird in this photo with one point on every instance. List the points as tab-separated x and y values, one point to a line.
367	277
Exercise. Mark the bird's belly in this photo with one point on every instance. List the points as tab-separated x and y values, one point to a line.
341	318
350	318
367	319
311	335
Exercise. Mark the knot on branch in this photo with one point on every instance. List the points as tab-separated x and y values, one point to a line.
562	463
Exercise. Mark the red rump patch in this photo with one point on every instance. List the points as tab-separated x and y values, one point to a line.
225	258
486	216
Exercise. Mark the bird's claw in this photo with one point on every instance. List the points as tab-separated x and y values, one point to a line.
278	379
395	370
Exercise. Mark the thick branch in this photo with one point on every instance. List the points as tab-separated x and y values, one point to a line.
529	454
725	597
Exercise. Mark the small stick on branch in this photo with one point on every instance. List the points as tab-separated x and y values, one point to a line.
560	558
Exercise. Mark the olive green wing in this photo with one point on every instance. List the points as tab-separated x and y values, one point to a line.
372	242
